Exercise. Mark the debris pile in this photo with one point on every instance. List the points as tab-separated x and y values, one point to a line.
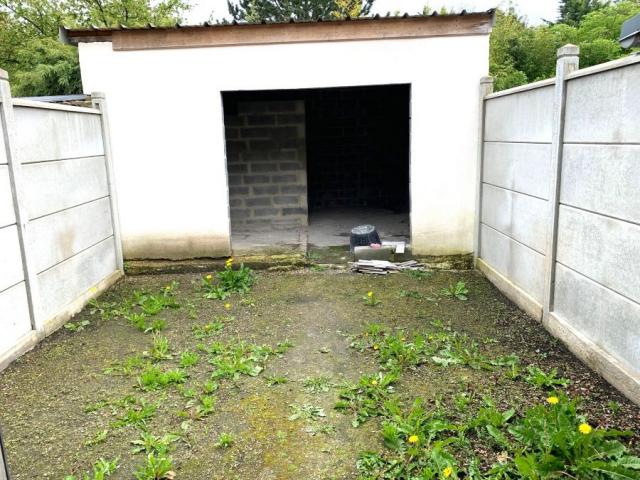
383	267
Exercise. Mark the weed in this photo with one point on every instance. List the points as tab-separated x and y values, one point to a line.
155	467
77	326
137	415
229	281
101	470
99	437
206	405
459	291
189	359
317	267
203	331
306	412
319	429
320	384
231	361
367	398
540	379
418	274
225	440
275	380
152	378
148	443
210	386
127	367
160	349
152	304
370	299
283	347
414	294
614	407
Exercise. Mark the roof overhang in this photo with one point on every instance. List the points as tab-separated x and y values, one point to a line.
364	28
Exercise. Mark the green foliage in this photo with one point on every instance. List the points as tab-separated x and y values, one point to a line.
153	378
257	10
101	469
77	326
156	467
547	441
189	359
418	273
444	348
99	437
368	398
459	291
148	443
521	54
233	360
38	63
537	377
225	440
137	414
160	349
276	380
573	11
126	367
152	304
229	281
307	412
371	300
319	384
203	331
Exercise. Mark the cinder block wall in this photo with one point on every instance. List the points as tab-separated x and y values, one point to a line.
266	162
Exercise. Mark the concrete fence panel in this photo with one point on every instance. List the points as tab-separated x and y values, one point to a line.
44	134
59	236
559	208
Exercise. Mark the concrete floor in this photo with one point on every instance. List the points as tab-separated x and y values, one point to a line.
327	228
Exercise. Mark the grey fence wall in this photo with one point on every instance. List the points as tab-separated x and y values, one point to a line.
59	240
559	208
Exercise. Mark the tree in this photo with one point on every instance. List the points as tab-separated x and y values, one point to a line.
572	11
37	63
254	11
521	54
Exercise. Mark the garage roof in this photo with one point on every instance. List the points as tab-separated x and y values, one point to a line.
212	35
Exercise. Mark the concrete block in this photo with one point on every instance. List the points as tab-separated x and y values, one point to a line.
258	202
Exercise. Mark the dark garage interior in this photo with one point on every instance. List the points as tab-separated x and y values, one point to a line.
305	166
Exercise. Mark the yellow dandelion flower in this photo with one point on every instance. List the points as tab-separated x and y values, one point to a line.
227	306
369	294
553	400
376	347
447	472
585	428
413	439
209	277
374	382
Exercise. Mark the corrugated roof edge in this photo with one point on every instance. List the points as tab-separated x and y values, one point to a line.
101	34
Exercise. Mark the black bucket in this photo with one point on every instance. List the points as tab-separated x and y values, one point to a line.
363	236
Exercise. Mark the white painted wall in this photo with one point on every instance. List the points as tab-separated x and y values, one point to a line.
168	133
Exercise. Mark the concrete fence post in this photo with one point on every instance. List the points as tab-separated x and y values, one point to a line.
567	62
99	101
19	205
486	88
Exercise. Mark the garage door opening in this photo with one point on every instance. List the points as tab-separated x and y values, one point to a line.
305	166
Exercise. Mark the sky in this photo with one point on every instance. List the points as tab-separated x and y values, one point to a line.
535	10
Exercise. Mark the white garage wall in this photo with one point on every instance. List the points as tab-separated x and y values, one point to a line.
58	223
559	227
168	132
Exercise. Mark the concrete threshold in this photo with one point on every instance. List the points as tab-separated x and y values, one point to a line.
336	257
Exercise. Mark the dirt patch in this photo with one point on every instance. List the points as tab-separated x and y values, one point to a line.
45	395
